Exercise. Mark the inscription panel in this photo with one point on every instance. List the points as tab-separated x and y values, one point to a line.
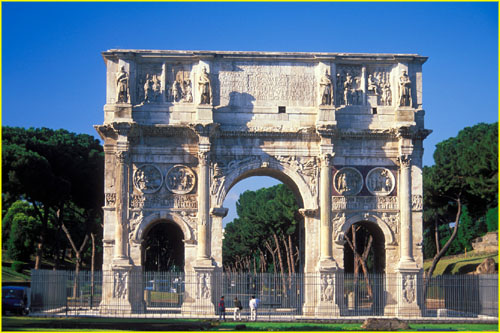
247	84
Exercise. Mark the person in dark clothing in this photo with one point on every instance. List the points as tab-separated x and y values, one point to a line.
237	309
222	308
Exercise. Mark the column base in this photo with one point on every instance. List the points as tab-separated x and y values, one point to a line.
203	263
121	263
327	265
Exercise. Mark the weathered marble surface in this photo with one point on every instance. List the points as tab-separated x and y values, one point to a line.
343	131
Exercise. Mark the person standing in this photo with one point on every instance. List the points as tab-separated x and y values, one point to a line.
253	304
222	308
237	309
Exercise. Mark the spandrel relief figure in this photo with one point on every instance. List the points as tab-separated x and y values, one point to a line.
122	91
204	86
404	90
348	181
180	179
326	89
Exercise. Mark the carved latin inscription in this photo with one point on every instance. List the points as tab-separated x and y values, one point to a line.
260	83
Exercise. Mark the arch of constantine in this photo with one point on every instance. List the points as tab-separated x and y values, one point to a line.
343	131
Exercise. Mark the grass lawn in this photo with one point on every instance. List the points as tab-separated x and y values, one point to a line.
125	324
459	264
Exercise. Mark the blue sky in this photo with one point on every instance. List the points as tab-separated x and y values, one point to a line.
53	74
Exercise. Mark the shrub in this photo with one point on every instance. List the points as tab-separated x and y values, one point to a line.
17	266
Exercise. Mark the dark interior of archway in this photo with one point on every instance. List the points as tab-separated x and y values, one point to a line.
163	248
375	259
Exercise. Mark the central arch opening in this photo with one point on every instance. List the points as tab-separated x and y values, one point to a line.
263	244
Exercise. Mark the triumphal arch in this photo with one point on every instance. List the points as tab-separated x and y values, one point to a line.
343	131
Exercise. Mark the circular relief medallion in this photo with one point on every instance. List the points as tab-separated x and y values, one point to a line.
380	181
348	181
148	178
180	179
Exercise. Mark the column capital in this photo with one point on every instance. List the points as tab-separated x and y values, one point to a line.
404	160
326	159
203	158
122	156
207	131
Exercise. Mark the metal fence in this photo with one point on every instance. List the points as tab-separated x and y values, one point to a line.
170	294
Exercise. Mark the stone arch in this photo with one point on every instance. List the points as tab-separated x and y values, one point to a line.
285	174
147	222
370	217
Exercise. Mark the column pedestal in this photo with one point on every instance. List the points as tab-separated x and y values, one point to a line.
326	115
204	114
408	305
200	292
327	293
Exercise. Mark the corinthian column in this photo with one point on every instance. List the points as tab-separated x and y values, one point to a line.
406	245
325	209
203	204
121	209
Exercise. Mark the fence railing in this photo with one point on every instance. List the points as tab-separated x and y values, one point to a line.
281	296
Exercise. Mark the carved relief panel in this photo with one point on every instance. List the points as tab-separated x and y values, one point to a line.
349	90
327	288
149	192
180	179
179	83
148	178
378	86
380	181
348	181
149	84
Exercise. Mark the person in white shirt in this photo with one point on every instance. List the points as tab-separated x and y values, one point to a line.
253	304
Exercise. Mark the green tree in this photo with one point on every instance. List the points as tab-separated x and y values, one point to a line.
464	173
492	219
53	170
20	227
267	226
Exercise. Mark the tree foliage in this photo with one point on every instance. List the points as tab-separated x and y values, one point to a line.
61	175
266	232
19	230
461	187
